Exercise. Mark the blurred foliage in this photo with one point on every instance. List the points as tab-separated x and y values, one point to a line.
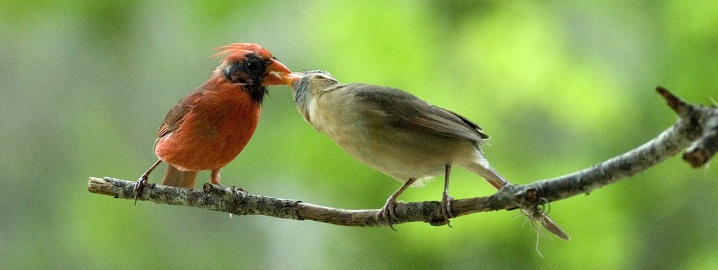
560	86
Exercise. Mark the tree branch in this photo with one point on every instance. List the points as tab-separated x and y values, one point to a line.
696	131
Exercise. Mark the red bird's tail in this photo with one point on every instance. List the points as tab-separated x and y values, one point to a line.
176	178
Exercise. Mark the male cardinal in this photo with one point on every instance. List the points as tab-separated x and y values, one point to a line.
210	126
398	134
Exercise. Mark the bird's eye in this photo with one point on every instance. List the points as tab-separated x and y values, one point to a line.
253	66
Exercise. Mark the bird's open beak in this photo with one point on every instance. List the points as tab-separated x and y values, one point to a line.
275	73
291	78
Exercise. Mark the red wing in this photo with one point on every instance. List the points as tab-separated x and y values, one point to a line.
174	117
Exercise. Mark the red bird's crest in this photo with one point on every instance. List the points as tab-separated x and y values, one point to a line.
238	50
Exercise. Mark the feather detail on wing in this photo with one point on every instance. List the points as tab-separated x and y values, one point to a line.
411	112
174	117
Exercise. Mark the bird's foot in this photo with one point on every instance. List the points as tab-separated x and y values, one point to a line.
240	192
387	212
140	187
237	189
220	184
445	208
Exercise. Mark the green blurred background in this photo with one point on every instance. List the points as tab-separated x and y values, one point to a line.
559	85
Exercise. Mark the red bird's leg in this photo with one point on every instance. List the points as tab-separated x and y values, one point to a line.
142	182
214	178
445	206
387	212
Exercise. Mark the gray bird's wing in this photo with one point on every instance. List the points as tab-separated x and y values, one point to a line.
403	109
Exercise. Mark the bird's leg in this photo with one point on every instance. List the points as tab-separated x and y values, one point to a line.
142	182
214	178
445	206
387	212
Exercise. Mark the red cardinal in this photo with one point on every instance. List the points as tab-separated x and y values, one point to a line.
210	126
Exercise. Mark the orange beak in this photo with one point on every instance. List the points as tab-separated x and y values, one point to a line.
275	72
291	78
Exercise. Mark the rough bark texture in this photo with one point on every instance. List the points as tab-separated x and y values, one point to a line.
696	132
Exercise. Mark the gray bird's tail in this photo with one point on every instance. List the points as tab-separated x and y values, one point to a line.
483	169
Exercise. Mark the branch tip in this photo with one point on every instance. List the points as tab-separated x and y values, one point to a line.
673	101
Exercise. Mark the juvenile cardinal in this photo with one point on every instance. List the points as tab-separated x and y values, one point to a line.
398	134
210	126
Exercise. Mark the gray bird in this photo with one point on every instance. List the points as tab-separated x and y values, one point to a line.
398	134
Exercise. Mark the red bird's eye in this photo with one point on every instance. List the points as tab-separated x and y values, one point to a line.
246	71
253	66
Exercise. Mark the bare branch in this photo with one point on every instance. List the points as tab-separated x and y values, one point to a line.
696	131
239	202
